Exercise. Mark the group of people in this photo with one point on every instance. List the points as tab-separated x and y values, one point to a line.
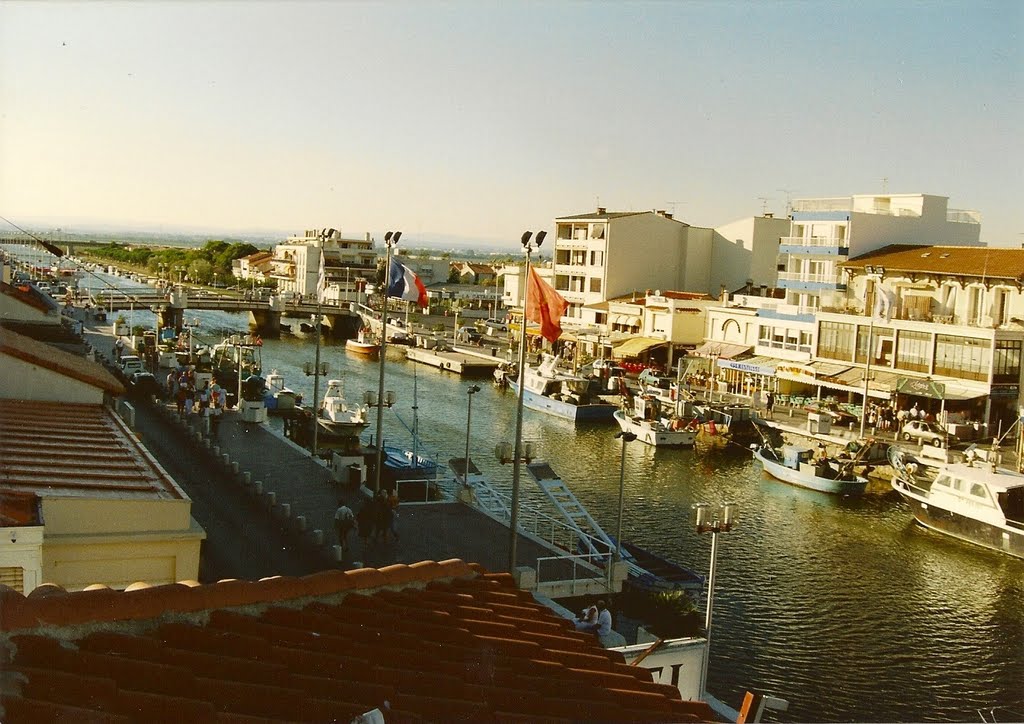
376	519
191	398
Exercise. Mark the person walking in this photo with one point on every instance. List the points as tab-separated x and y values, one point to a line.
217	399
344	522
769	404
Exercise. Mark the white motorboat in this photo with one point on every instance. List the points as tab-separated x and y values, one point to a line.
280	399
651	425
337	418
363	344
572	397
975	501
798	465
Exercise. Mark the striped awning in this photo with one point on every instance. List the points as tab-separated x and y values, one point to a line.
635	346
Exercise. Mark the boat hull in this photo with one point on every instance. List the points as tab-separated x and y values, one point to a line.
565	410
812	482
1002	538
370	351
654	433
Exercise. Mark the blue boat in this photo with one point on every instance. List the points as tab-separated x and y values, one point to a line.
799	465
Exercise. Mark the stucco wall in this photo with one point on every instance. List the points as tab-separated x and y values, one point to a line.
100	516
23	380
645	251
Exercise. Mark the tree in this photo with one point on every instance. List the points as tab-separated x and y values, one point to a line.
454	275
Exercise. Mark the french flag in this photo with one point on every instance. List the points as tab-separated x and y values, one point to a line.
404	284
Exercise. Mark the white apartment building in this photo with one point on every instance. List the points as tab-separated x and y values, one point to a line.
349	263
827	231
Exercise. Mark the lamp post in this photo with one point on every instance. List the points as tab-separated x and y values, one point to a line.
626	437
714	522
380	400
873	273
390	240
528	249
472	390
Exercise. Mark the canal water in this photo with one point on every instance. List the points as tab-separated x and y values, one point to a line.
844	607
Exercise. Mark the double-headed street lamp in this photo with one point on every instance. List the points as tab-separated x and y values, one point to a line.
472	390
875	274
719	520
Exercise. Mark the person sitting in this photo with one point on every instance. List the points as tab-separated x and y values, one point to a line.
603	625
587	619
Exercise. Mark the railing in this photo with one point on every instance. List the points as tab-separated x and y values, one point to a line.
586	567
815	241
802	277
844	203
963	216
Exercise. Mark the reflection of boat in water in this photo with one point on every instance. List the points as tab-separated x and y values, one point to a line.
363	344
797	465
280	399
561	394
975	501
650	423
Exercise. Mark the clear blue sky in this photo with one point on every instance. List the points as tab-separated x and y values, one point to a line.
482	119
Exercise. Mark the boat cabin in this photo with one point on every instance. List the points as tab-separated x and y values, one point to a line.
980	491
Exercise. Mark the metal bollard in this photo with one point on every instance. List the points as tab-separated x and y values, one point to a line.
257	487
286	510
247	478
270	498
338	553
318	537
300	523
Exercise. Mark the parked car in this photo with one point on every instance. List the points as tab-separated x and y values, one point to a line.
495	325
143	386
130	364
924	432
468	334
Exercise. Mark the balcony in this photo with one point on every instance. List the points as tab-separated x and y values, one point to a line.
801	281
814	245
963	216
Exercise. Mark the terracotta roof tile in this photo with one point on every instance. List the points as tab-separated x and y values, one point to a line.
436	641
990	262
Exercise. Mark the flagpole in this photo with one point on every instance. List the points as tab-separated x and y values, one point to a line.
389	240
513	526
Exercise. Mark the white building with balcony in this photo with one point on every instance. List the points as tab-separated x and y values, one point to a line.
827	231
349	264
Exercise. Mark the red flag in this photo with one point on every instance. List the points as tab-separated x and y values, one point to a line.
544	306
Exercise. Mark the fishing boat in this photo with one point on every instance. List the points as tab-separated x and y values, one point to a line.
655	425
975	500
280	400
239	355
363	344
799	465
572	397
339	418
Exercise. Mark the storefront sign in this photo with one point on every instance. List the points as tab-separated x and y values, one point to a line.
921	388
728	364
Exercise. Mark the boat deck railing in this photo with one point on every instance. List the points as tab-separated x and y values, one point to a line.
574	570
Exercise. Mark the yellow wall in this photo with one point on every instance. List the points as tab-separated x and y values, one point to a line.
22	380
76	561
66	515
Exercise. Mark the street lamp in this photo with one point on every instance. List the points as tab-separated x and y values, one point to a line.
317	369
380	400
875	273
528	248
714	522
390	240
626	437
472	390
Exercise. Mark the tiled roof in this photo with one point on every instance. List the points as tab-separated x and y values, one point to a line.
52	358
601	216
976	261
427	642
76	450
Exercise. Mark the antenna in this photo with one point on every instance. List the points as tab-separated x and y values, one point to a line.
764	204
672	205
789	199
885	184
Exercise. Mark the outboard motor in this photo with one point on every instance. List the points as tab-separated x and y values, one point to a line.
252	406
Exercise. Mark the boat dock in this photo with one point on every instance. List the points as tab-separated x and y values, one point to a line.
461	360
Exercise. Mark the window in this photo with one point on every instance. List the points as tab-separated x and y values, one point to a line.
1007	361
978	491
13	577
912	351
835	341
597	258
595	284
968	357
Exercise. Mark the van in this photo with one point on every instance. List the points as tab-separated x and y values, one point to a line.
130	364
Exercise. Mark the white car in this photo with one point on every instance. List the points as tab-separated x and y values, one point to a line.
924	432
494	325
130	364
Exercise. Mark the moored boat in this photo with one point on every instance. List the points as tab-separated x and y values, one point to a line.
561	394
975	501
797	465
651	426
363	344
279	398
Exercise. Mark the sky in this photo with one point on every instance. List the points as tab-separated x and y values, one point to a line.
479	120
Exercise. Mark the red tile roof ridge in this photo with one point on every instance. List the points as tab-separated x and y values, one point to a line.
50	605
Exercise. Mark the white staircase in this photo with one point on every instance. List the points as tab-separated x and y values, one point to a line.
571	509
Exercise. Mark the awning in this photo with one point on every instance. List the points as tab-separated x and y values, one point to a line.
882	384
937	389
754	365
829	369
722	350
628	320
635	346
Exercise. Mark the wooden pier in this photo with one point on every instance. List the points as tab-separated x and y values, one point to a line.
461	361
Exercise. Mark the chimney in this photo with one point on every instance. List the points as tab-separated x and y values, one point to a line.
601	210
769	215
668	215
660	212
723	295
749	286
764	290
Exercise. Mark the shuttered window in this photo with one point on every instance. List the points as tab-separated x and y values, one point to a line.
13	577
